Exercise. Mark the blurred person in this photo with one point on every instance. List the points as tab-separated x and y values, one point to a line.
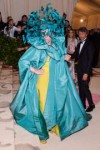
84	56
2	24
22	24
10	29
23	21
71	45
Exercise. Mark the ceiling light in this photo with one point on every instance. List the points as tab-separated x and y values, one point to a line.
81	20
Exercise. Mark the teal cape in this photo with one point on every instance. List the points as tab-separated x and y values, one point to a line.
63	106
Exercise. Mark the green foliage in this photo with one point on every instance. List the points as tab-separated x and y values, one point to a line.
8	50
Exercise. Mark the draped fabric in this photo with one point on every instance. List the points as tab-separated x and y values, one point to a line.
16	8
62	106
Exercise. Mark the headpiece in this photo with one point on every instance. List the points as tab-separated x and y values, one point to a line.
45	22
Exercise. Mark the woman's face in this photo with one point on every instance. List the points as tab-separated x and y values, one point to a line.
11	22
24	19
71	34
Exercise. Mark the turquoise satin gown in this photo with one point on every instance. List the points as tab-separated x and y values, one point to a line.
63	106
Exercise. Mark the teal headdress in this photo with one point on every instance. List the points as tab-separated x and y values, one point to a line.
45	22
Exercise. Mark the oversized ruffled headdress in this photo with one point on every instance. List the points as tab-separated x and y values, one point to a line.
45	22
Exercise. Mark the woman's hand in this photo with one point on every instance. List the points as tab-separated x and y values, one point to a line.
22	48
48	39
85	76
67	57
36	71
19	29
23	27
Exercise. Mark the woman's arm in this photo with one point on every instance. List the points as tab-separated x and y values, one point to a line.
17	29
5	31
22	48
36	71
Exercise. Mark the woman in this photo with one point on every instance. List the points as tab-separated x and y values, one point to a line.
10	29
2	24
71	45
47	99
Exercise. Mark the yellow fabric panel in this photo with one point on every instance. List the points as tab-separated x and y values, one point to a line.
55	130
42	87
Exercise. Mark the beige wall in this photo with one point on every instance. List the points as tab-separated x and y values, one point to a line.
76	22
16	8
92	21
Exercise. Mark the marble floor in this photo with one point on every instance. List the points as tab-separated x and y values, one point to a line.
14	137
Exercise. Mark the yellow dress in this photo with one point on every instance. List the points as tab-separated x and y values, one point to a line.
42	87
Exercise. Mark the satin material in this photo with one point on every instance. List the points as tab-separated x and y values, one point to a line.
63	106
42	85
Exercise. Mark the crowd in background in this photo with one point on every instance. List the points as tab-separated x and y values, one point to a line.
71	35
10	29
